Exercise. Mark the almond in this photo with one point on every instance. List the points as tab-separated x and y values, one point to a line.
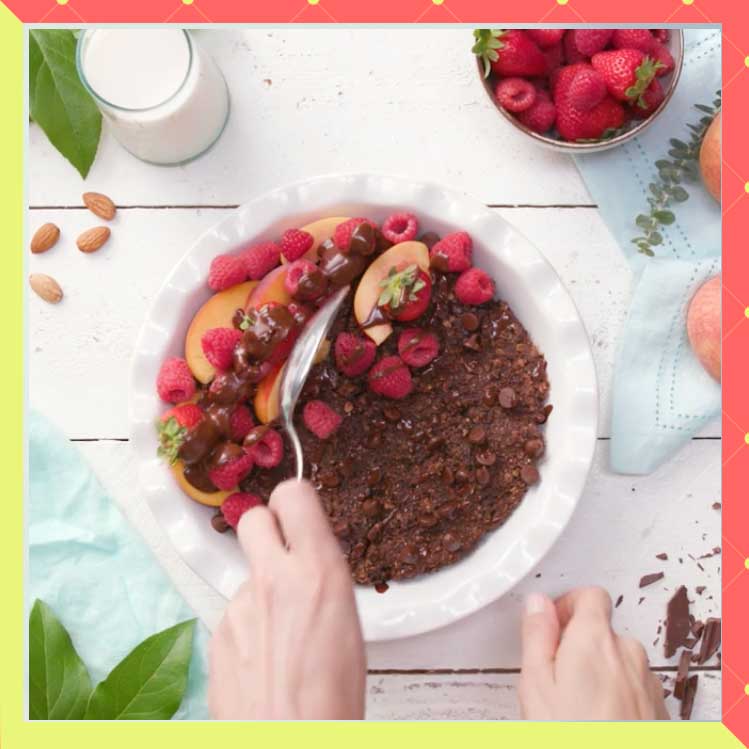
46	287
100	205
92	239
45	238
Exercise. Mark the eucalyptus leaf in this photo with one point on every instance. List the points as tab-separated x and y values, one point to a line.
149	683
58	102
656	238
664	217
679	194
59	684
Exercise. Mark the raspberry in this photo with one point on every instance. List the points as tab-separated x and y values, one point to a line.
174	383
515	94
172	428
474	286
235	505
305	281
400	227
295	243
227	475
390	377
218	346
226	271
541	116
453	252
554	57
265	446
260	259
417	347
545	38
342	234
640	39
590	41
320	419
240	423
354	354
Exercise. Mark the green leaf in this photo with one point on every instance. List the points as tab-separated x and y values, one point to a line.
704	108
58	102
149	683
664	217
655	238
643	221
679	194
59	684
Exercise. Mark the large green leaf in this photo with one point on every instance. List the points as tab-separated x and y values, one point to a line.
149	683
58	102
59	684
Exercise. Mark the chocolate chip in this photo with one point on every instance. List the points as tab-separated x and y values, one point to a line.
534	448
392	413
371	507
483	476
330	479
477	435
428	520
348	407
447	476
472	342
529	474
374	477
381	587
507	398
218	521
486	458
429	238
451	543
662	556
490	395
469	321
341	528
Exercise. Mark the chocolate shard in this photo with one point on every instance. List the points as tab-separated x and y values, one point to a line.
618	602
710	640
653	577
680	683
689	693
677	622
700	589
662	556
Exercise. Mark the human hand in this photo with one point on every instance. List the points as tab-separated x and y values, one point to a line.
575	667
289	646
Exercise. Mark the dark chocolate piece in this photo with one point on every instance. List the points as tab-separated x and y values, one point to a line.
677	622
710	640
618	602
689	693
662	556
653	577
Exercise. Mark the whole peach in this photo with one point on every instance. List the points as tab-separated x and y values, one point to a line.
710	157
703	326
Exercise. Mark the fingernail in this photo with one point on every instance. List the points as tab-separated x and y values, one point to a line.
535	603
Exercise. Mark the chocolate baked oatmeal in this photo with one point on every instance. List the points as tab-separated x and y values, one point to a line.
416	456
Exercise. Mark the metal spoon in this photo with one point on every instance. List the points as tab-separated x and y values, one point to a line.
299	364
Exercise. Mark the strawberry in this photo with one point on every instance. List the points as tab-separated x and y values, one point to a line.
354	354
640	39
541	116
508	53
235	505
590	41
661	54
295	243
560	80
474	286
586	89
320	419
515	94
652	97
226	476
576	124
391	378
405	292
545	38
572	54
417	347
173	427
627	72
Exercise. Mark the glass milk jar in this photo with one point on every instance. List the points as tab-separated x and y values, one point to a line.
164	98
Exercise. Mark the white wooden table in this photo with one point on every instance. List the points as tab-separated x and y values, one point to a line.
394	101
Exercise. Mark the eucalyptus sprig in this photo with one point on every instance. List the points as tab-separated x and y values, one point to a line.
683	165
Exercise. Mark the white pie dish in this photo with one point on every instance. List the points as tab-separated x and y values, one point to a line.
524	279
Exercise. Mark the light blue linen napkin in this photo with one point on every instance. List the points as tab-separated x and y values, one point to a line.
661	396
88	564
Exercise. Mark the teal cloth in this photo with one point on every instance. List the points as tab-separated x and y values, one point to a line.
661	395
94	571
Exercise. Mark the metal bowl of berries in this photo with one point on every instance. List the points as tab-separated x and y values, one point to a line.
579	90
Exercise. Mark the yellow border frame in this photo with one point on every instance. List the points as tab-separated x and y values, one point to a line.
15	731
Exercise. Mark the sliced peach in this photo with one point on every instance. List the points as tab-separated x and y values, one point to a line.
212	499
320	230
217	312
270	289
368	290
266	403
